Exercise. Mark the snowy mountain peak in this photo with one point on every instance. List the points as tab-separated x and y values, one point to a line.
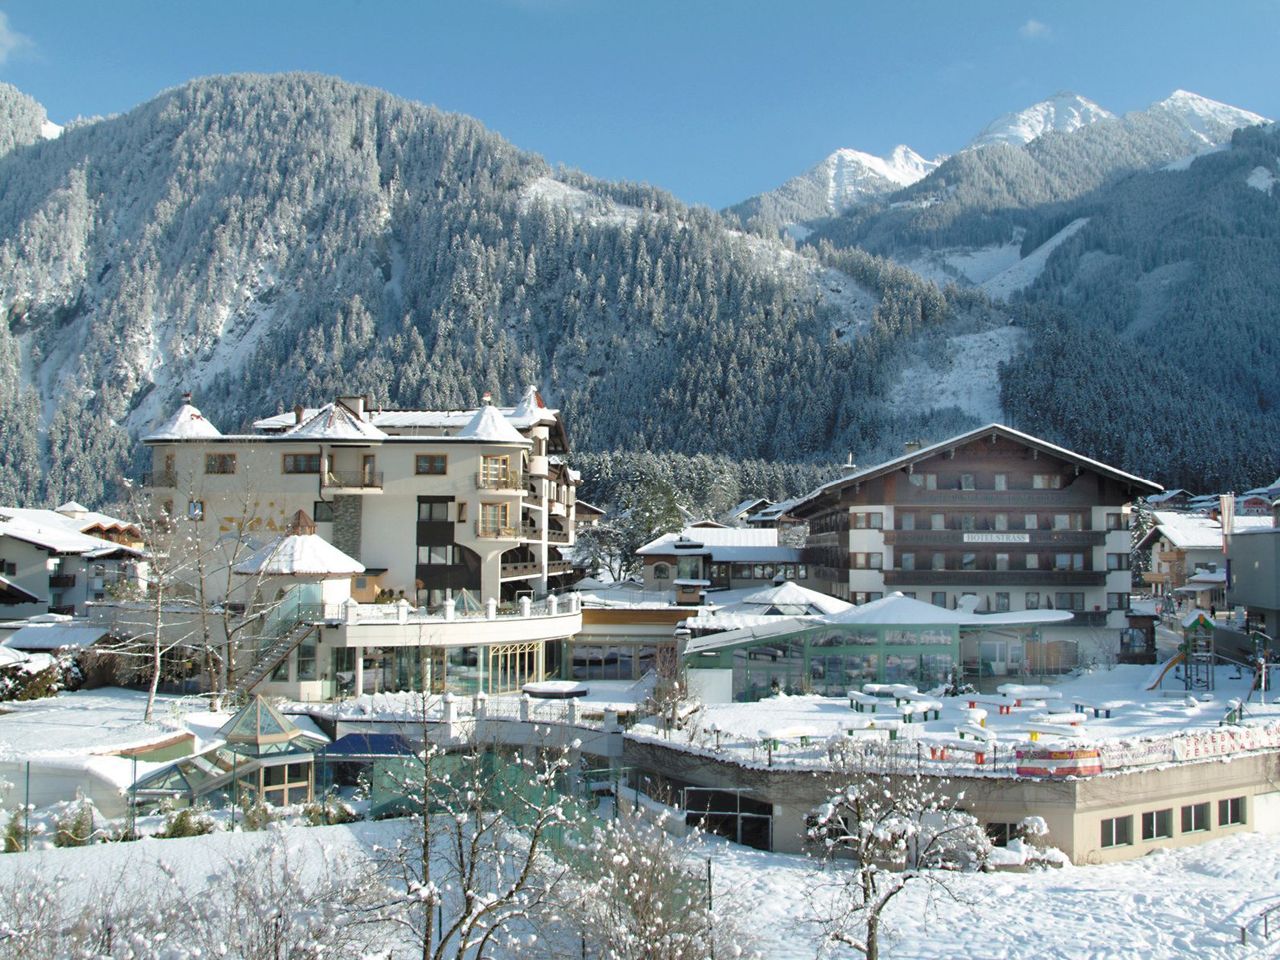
852	171
1063	113
1204	119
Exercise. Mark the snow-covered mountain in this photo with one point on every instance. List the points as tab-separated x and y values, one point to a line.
1062	113
1202	118
844	179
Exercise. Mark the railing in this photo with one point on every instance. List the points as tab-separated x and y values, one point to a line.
491	531
354	479
996	578
1088	618
160	478
527	568
501	481
557	536
555	567
1034	538
60	581
1263	918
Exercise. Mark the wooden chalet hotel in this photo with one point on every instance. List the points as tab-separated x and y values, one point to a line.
1015	521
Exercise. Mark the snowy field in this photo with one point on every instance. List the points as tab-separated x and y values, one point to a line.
1186	903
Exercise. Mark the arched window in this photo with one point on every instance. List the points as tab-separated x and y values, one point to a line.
661	571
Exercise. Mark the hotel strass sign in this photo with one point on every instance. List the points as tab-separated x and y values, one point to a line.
997	538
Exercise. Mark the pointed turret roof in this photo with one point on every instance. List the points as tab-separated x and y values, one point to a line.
491	426
187	424
259	729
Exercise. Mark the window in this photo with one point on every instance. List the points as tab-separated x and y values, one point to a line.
1157	824
867	561
1002	602
1001	833
928	481
436	556
1115	521
302	463
1061	521
868	521
908	521
939	599
433	511
939	561
1230	811
1117	601
802	572
968	522
742	571
1001	481
1046	481
907	561
1117	832
1117	561
495	519
322	511
494	471
1033	600
462	511
968	561
307	659
1195	817
1002	561
661	571
219	463
966	481
939	522
1062	561
1068	601
195	509
1030	522
1002	521
9	567
1033	561
434	464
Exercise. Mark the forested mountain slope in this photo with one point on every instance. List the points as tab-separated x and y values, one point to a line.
263	240
1154	325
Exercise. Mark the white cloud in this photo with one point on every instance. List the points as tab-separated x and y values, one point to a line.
1034	30
10	39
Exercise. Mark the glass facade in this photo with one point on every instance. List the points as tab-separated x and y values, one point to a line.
832	660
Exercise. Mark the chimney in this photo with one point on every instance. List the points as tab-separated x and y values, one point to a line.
911	446
298	411
186	398
486	398
354	404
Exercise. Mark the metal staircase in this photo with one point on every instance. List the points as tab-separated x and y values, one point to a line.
270	657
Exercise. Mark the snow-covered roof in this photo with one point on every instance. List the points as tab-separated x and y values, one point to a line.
748	506
299	555
71	507
695	540
773	511
55	537
491	426
1168	495
895	609
334	422
531	409
791	594
1187	531
187	424
12	592
55	636
925	453
78	520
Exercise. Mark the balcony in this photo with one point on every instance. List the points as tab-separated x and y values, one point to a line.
557	567
1047	539
1011	500
521	570
1044	579
557	536
514	482
62	581
160	478
367	480
495	531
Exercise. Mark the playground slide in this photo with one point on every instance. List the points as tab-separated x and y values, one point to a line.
1164	668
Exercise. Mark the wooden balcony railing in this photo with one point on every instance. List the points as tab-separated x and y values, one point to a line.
1043	579
501	481
1047	539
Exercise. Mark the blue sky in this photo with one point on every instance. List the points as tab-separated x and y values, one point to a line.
714	101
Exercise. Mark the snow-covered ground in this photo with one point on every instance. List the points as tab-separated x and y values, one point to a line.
1146	727
1260	178
1022	274
1185	903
